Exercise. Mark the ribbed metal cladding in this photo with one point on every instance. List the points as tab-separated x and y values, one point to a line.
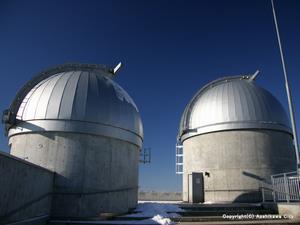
82	102
232	103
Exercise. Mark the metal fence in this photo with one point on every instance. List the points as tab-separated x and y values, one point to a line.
285	187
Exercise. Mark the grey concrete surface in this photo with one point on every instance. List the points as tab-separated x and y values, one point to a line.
94	174
25	189
39	220
237	162
290	210
159	196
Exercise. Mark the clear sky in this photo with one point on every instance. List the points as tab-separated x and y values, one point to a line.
169	49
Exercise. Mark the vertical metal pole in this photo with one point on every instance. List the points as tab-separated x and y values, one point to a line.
273	191
288	92
298	187
262	191
188	187
286	188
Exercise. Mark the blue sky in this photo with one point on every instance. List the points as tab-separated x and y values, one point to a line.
169	49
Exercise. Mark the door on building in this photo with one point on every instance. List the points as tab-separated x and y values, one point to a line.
197	188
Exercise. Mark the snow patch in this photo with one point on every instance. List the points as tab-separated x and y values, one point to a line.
160	213
161	220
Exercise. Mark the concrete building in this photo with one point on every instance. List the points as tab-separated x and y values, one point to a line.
75	121
235	134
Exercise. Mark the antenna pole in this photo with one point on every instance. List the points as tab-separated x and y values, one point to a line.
288	92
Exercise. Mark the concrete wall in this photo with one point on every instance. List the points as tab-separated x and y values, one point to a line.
159	196
25	189
95	174
237	162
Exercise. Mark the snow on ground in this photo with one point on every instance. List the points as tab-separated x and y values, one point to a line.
156	213
159	213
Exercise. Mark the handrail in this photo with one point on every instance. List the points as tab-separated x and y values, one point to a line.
278	191
281	174
284	187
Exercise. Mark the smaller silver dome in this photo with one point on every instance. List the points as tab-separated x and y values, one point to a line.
232	103
80	98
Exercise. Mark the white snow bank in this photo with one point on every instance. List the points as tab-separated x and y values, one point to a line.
161	220
160	213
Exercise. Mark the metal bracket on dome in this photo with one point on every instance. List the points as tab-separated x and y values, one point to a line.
8	119
117	67
145	155
9	115
252	77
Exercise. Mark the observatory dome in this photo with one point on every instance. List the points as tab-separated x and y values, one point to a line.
78	98
232	103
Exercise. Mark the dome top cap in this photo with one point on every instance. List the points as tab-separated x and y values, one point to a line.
78	98
232	103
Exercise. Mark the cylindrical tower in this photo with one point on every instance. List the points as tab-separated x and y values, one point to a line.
76	121
237	134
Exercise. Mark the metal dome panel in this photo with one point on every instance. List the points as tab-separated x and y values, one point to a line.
80	101
232	103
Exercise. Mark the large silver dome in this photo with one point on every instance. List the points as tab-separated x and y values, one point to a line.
78	98
232	103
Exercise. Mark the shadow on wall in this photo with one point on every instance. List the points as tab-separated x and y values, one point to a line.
249	197
30	126
271	206
256	177
78	197
25	189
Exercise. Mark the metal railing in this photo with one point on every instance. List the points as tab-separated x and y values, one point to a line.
285	187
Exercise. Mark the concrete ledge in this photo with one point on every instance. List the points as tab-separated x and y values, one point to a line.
159	196
25	190
40	220
285	209
7	155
